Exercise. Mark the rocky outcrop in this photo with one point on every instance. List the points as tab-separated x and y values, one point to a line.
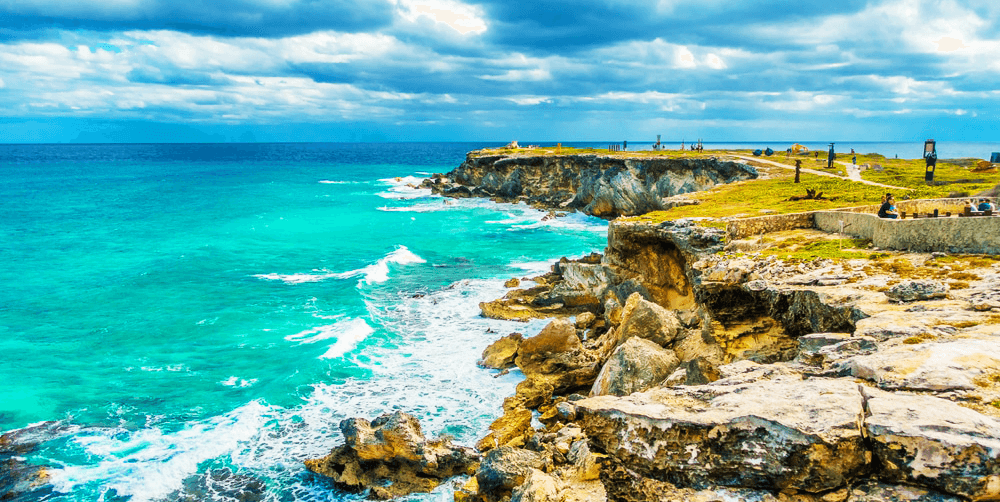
602	186
391	457
19	479
636	365
815	436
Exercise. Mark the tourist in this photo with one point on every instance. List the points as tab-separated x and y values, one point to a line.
888	207
985	205
970	207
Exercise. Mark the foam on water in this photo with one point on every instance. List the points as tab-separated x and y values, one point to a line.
402	188
377	272
148	464
347	335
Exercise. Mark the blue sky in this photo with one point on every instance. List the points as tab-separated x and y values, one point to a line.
448	70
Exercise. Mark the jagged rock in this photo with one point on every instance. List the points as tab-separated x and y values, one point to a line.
693	344
504	468
932	366
873	491
20	480
585	320
625	485
513	282
601	186
391	457
932	442
700	371
501	353
811	343
908	291
636	365
554	360
512	426
645	319
781	433
537	487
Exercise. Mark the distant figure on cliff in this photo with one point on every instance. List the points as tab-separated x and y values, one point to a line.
682	145
888	207
985	205
970	206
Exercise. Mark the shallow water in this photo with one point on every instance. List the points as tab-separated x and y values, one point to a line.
181	310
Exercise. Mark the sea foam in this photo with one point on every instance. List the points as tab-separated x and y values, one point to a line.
377	272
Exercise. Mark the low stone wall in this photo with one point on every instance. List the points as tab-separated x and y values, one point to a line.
748	227
922	206
952	235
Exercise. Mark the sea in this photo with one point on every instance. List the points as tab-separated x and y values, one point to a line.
193	321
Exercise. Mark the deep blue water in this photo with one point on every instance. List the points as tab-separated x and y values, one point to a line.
179	309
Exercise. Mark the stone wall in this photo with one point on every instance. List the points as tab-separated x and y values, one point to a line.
748	227
954	235
922	206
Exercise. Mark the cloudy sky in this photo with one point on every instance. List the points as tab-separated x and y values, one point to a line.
496	70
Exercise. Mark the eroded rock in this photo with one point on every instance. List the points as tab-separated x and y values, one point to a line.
635	366
501	353
909	291
391	456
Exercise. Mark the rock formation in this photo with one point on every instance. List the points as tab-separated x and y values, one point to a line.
605	186
391	457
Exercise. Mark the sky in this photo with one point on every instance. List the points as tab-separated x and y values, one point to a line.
498	70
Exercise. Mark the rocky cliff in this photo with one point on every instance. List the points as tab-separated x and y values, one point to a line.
696	373
602	186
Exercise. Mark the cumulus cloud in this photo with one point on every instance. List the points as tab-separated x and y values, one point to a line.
655	63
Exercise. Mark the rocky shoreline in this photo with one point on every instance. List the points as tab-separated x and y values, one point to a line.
680	366
604	186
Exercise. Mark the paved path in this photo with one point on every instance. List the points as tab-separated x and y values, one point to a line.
853	173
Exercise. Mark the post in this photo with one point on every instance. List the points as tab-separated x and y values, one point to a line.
930	158
798	169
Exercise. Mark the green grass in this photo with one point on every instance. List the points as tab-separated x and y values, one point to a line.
836	249
749	198
553	151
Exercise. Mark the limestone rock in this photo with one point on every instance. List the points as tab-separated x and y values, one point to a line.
700	371
932	442
933	366
782	433
554	360
391	457
908	291
873	491
635	366
515	423
585	320
537	487
501	353
645	319
505	468
513	282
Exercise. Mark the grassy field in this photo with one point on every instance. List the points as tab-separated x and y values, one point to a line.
771	196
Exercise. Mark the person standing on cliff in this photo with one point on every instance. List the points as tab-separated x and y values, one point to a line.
888	208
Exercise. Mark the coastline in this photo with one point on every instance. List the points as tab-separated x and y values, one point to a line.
743	350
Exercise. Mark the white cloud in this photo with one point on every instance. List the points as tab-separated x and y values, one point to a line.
2	85
458	16
714	61
528	100
534	75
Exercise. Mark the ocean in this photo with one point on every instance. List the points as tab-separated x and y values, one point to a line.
192	321
196	320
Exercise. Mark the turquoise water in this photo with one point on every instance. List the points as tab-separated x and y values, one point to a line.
181	309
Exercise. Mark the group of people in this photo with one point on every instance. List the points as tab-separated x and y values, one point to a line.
888	207
984	205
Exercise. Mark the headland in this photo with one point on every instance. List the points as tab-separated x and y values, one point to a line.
742	337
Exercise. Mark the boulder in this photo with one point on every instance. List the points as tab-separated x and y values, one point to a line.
585	320
909	291
504	468
514	424
513	282
932	442
635	366
644	319
784	433
554	360
391	457
501	353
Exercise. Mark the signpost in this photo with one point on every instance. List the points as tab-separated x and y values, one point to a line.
930	157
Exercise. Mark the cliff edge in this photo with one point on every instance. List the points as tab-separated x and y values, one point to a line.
604	186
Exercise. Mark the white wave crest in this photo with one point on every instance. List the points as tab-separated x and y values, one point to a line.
349	334
377	272
149	464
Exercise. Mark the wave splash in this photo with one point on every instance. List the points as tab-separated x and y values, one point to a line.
375	273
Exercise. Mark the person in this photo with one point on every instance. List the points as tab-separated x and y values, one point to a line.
888	207
985	205
970	207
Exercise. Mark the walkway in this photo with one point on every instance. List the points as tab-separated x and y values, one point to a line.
853	173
